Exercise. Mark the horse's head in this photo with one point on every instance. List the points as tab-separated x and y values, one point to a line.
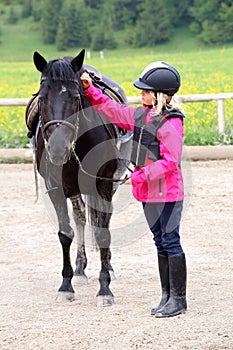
59	103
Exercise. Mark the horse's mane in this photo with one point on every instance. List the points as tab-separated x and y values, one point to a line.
60	69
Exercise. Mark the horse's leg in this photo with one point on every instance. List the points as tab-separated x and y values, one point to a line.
104	295
80	221
66	235
110	268
102	218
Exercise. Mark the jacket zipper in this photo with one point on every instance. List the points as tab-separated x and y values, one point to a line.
139	142
160	187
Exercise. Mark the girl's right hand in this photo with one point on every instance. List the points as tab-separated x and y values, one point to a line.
128	181
86	80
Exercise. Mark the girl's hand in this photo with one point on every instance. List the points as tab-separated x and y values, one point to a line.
128	181
86	80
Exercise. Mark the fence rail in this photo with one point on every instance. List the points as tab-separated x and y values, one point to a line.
220	98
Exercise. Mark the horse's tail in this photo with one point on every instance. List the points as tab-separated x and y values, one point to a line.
99	212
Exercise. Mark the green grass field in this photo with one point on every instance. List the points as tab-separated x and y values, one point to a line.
203	70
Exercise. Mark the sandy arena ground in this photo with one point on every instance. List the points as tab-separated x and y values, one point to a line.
31	262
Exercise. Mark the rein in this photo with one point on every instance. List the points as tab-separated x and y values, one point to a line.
122	181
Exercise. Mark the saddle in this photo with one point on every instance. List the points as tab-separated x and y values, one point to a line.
32	115
109	88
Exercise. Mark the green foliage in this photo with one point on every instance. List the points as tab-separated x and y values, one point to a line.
10	2
110	41
149	30
72	30
36	10
212	21
13	16
98	40
50	12
125	12
27	8
145	22
226	23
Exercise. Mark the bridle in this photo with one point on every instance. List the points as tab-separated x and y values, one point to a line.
58	122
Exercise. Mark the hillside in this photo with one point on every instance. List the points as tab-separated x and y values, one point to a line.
19	41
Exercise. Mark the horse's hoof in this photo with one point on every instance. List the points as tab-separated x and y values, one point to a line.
104	300
80	280
64	297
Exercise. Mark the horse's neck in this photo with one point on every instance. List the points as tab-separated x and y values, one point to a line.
88	119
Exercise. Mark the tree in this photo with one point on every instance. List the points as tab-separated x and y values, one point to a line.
26	8
50	11
109	40
79	24
36	10
212	21
73	30
108	17
126	13
179	11
152	27
98	40
95	4
226	23
13	16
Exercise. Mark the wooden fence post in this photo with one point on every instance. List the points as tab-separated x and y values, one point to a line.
221	117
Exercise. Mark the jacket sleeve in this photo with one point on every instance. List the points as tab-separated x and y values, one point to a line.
116	113
170	136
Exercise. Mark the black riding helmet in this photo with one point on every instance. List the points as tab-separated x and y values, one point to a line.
159	77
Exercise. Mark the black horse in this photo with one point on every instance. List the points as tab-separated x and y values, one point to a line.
77	157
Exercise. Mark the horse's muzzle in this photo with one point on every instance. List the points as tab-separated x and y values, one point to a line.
58	158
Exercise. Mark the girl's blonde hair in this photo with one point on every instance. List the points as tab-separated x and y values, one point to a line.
166	101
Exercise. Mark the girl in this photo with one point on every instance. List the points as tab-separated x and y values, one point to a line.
157	179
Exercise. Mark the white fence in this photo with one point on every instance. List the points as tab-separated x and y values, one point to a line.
220	98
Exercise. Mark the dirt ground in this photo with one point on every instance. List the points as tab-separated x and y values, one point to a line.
31	262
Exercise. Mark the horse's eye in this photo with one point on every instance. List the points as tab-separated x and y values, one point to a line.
77	96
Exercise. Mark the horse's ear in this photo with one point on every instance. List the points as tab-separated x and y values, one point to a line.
77	62
39	61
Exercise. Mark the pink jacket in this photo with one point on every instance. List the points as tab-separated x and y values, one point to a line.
159	181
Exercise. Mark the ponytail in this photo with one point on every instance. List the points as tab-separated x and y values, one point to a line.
165	101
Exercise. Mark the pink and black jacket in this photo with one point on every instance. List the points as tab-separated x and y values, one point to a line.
156	179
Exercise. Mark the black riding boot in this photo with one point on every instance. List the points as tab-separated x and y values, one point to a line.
164	280
177	303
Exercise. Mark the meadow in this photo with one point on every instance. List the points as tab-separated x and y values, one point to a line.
203	71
